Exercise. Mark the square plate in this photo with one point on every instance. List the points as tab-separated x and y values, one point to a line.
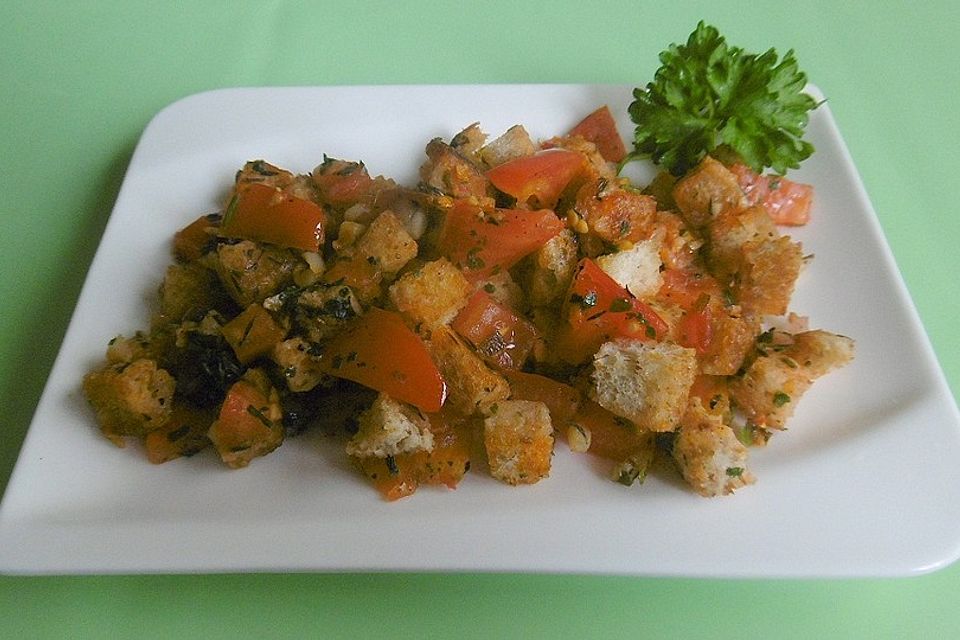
866	481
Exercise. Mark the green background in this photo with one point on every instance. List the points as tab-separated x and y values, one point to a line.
80	81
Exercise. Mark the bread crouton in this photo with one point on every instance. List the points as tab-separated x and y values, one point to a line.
518	437
298	363
323	309
471	384
647	383
550	269
252	271
776	379
389	428
706	191
432	295
130	398
761	265
733	337
188	290
386	240
637	268
514	143
449	172
708	454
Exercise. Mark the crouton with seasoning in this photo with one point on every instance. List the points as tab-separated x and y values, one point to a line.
518	437
251	271
130	398
770	388
648	383
389	428
549	270
432	295
386	240
299	363
706	191
638	269
708	454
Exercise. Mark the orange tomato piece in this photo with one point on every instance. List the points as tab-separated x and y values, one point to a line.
538	180
601	129
262	213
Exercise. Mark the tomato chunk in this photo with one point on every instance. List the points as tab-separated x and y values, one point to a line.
600	128
261	213
561	399
598	309
538	180
499	335
787	202
482	241
611	436
379	351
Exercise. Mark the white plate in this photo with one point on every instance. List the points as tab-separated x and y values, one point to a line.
866	481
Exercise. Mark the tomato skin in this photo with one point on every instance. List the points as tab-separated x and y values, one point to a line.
261	213
598	309
500	336
696	329
561	399
787	202
538	180
481	241
611	436
379	351
601	129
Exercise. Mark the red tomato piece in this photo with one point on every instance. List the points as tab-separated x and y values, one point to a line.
379	351
538	180
500	336
261	213
561	399
787	202
480	241
598	309
611	436
601	129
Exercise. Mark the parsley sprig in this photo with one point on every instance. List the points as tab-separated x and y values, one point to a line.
709	94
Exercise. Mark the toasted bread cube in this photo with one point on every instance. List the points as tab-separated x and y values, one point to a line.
389	428
471	384
708	454
550	269
514	143
647	383
432	295
769	390
763	266
298	363
637	268
469	141
188	290
709	189
386	240
323	309
734	335
251	272
130	398
518	437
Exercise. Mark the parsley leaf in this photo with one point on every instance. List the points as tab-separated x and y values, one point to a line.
708	94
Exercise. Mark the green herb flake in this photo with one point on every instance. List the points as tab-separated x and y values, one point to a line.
780	399
734	472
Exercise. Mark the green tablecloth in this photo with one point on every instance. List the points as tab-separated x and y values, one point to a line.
80	80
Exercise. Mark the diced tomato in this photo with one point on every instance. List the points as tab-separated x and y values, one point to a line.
600	128
379	351
262	213
685	287
561	399
696	327
787	202
598	309
401	475
611	436
499	335
249	424
190	242
482	241
252	333
538	180
184	434
342	184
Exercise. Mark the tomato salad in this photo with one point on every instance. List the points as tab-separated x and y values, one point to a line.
522	296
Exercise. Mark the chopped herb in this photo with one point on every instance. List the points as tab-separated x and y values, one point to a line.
734	472
780	399
392	465
620	304
489	288
259	415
